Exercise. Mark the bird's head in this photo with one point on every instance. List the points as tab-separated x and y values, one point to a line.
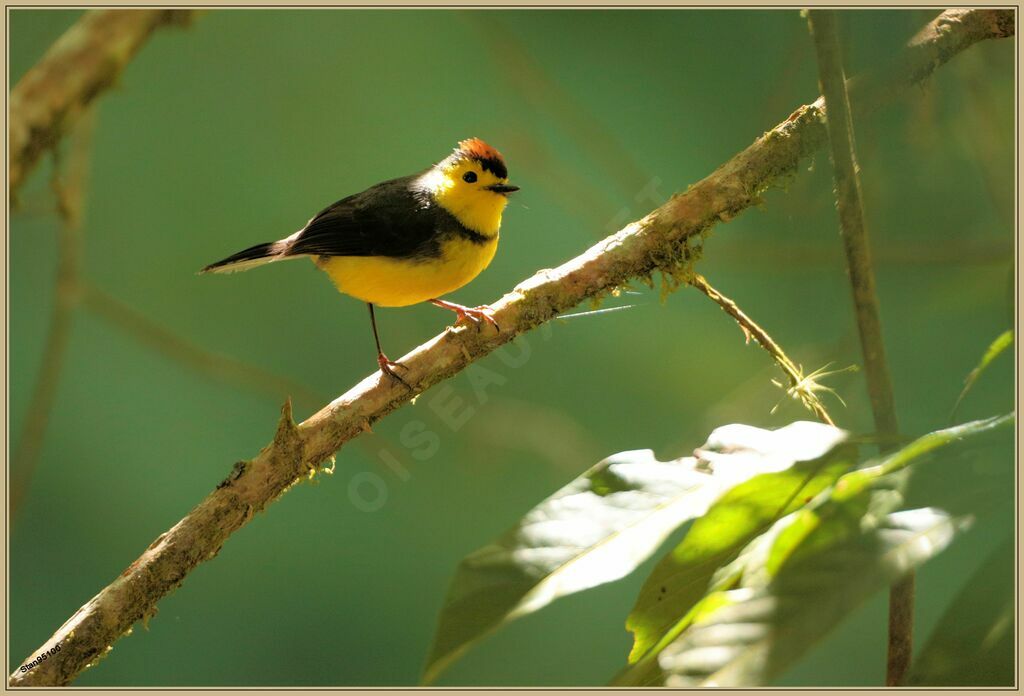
471	184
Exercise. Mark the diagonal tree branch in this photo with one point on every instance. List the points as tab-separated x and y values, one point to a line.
86	60
656	242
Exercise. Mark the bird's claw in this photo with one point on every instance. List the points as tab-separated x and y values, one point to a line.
388	366
477	315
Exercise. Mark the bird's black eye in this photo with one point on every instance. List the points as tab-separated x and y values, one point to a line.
469	177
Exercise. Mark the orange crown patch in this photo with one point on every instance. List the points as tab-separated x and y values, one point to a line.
489	158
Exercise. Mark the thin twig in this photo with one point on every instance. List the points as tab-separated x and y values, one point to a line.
865	298
753	389
800	384
70	195
85	61
654	242
222	367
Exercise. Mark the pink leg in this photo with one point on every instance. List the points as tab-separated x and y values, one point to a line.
475	314
386	365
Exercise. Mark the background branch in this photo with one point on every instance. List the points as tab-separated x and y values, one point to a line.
74	291
223	367
70	195
81	65
544	93
656	242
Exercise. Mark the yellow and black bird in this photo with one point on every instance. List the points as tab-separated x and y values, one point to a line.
406	240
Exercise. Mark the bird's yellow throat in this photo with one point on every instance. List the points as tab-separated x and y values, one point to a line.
475	207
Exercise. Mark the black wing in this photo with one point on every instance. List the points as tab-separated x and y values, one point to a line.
388	219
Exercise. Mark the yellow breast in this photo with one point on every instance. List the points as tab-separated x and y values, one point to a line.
391	282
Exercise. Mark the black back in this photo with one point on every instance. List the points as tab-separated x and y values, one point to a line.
392	218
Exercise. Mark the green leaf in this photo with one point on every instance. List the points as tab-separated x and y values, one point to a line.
973	643
935	447
605	523
683	576
816	524
1002	342
761	629
977	478
715	559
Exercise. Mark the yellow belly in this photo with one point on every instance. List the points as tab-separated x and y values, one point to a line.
397	283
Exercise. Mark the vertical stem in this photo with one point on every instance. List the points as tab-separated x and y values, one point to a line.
70	195
865	299
901	630
851	218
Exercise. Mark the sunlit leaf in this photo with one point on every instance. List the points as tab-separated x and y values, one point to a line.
973	643
761	629
605	523
714	559
683	576
978	478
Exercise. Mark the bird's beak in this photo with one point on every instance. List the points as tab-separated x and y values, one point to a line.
503	189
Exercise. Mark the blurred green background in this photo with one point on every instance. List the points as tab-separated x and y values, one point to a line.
238	129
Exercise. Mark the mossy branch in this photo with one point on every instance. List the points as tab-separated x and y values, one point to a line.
84	62
655	242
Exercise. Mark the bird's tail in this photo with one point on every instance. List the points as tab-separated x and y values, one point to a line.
249	258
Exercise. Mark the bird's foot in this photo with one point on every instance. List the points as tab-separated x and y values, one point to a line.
388	366
483	313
